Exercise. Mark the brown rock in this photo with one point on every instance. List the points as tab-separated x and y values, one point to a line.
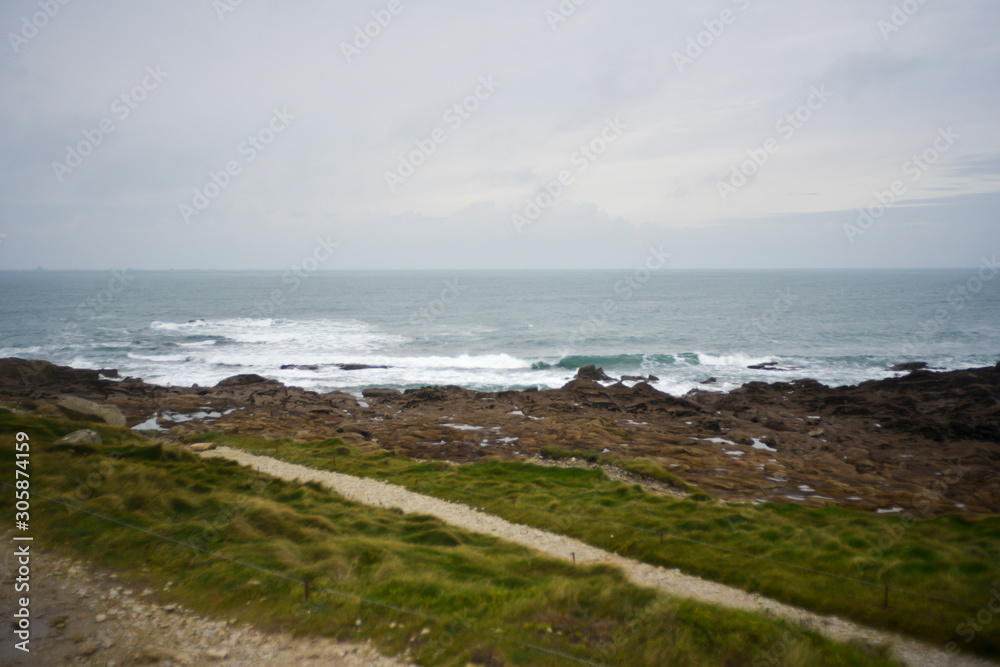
856	453
217	654
593	373
910	366
78	408
87	649
379	392
84	436
884	437
153	655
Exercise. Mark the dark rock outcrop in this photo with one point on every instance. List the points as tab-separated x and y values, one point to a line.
380	392
593	373
357	367
766	366
640	378
909	366
877	444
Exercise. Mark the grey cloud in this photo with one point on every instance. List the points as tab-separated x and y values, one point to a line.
353	120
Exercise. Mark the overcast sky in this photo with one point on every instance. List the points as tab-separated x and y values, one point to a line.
730	133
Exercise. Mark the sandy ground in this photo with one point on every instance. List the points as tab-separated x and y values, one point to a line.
85	616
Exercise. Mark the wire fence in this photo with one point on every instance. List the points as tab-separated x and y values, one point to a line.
306	584
673	536
502	500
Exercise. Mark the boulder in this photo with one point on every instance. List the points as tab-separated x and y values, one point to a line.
593	373
766	366
640	378
82	409
379	392
242	381
357	367
436	394
21	373
84	436
87	649
909	366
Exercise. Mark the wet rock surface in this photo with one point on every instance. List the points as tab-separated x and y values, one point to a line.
926	441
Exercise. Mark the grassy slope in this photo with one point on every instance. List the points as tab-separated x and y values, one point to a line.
946	557
240	545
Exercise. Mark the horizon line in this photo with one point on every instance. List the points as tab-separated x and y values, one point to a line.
498	270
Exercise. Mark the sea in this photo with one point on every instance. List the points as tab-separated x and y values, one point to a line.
495	330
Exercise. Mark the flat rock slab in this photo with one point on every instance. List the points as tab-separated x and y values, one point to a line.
79	408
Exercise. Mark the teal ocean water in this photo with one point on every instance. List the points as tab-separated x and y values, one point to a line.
492	330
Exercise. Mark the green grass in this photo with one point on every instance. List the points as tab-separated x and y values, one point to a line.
644	469
771	549
237	544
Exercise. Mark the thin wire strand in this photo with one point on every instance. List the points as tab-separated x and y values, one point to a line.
215	554
281	575
735	552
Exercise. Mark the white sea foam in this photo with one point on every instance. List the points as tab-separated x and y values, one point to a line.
736	359
464	361
485	342
158	357
202	324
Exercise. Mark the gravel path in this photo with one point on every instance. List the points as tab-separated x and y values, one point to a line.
82	615
674	582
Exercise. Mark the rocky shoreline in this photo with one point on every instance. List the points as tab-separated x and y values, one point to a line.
924	442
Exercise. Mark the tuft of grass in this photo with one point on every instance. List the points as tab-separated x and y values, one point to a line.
238	544
201	437
778	550
638	467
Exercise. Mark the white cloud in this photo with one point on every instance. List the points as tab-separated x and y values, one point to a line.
686	131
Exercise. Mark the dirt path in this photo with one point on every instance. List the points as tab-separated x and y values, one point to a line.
373	492
82	615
